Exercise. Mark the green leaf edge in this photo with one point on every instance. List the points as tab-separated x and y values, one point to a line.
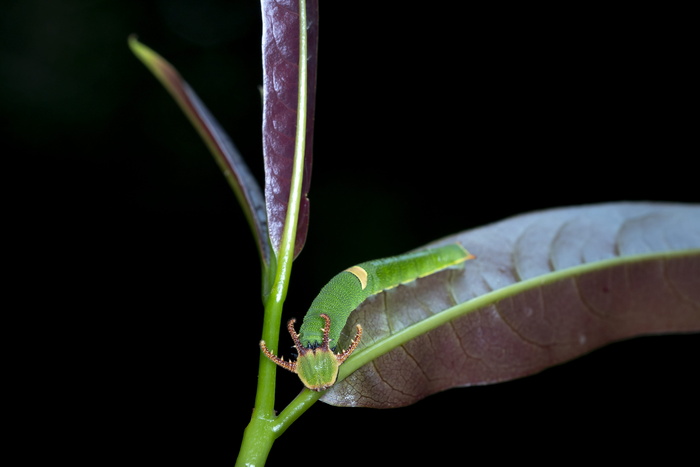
235	171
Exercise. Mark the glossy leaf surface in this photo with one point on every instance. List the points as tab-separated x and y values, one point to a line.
280	48
545	288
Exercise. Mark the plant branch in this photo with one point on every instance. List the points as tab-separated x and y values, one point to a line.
264	427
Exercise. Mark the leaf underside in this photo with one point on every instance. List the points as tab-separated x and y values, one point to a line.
280	47
545	288
225	153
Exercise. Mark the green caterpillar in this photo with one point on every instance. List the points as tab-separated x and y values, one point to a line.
317	363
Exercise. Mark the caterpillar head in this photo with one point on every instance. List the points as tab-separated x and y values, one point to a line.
317	367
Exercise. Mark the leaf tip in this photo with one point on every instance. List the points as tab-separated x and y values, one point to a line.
144	53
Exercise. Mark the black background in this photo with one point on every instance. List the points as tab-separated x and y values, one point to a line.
138	278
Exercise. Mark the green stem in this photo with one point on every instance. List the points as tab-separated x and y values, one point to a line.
298	406
264	426
261	434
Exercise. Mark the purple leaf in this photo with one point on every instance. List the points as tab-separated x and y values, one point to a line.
544	288
225	153
280	44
